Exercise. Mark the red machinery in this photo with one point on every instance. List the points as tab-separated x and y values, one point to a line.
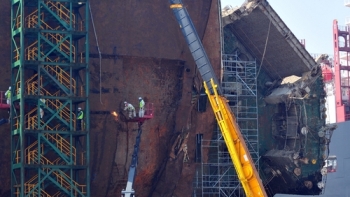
341	39
327	73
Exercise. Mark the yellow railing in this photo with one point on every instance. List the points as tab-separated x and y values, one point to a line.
64	113
17	156
57	194
32	79
30	148
28	191
62	76
26	117
31	21
58	161
28	81
33	180
62	12
62	144
64	46
18	21
16	55
32	123
32	50
62	177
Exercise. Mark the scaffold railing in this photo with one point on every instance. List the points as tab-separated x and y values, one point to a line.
239	85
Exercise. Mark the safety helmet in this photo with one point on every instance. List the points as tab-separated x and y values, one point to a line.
140	98
125	102
9	87
79	108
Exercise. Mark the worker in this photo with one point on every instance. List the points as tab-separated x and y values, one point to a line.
80	119
130	109
8	96
19	92
42	104
142	107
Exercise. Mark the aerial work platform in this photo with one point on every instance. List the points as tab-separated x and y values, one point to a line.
147	115
129	191
3	104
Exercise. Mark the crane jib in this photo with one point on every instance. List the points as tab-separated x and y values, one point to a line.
195	45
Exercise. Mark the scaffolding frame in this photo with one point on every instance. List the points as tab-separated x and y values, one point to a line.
50	80
239	85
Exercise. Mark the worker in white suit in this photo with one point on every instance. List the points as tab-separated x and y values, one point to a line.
130	108
42	104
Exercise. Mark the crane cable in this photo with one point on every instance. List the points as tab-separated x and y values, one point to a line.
98	48
263	56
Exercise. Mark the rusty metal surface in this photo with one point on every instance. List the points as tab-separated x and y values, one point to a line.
142	28
153	61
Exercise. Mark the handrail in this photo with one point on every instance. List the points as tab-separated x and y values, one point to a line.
28	149
60	177
28	189
56	104
18	156
62	76
18	21
64	145
63	12
57	194
32	180
31	21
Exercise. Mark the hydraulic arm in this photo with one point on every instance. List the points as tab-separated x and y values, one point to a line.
241	159
129	191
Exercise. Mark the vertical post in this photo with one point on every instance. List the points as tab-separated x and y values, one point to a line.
340	111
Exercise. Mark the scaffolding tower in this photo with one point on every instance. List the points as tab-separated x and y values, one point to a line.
239	85
49	80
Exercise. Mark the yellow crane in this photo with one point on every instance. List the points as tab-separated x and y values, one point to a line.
241	159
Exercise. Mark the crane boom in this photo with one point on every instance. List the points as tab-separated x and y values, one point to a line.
241	159
195	44
129	191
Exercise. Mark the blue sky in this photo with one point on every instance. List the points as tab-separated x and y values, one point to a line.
311	20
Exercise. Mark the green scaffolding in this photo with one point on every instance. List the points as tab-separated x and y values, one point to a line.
50	81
